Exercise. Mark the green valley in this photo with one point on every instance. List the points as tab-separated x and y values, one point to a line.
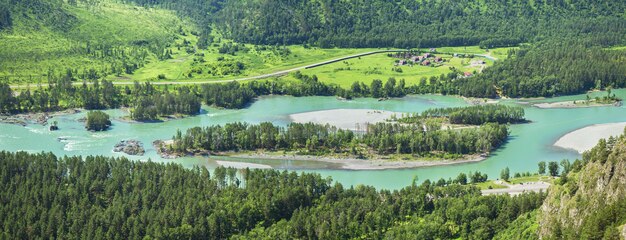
312	119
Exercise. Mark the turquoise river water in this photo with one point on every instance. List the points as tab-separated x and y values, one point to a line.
528	143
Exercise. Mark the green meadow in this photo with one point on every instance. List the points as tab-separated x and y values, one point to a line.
256	60
33	49
381	66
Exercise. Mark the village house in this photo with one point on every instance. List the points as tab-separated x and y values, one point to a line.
426	63
438	59
402	62
467	74
426	55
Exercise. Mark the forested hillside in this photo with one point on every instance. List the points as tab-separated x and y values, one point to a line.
407	23
553	67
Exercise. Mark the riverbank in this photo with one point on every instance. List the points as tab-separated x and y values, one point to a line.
127	118
479	101
517	189
351	119
586	138
349	163
576	104
42	118
242	165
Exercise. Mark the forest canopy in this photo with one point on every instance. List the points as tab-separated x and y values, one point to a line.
114	198
403	24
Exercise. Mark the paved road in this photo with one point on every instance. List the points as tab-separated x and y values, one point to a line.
274	74
516	189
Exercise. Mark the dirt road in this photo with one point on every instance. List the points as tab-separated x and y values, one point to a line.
515	189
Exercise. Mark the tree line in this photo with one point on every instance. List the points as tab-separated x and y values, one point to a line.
145	101
113	198
550	69
473	115
311	138
388	138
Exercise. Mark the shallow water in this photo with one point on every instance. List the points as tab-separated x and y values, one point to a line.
528	144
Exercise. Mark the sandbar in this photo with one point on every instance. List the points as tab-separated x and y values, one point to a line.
367	164
586	138
352	119
242	165
578	104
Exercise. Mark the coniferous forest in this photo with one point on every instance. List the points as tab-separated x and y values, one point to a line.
405	24
384	138
114	198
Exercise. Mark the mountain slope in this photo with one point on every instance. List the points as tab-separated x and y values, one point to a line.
591	204
95	38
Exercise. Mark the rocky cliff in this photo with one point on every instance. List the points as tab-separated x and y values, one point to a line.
590	201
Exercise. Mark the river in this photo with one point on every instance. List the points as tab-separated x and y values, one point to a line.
528	143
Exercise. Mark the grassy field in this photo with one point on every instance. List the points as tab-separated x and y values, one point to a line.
256	60
534	178
381	66
513	181
32	49
489	185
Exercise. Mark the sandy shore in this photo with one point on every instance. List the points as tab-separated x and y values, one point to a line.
353	119
586	138
242	165
365	164
571	104
480	101
517	189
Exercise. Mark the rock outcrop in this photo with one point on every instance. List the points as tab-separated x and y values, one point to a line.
130	147
590	203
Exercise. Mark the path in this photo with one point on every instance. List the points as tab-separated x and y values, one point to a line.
274	74
516	189
487	56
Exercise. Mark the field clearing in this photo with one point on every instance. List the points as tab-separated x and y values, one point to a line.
489	185
533	178
257	60
380	66
260	60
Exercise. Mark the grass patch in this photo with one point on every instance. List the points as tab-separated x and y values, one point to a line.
489	185
381	66
211	65
534	178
